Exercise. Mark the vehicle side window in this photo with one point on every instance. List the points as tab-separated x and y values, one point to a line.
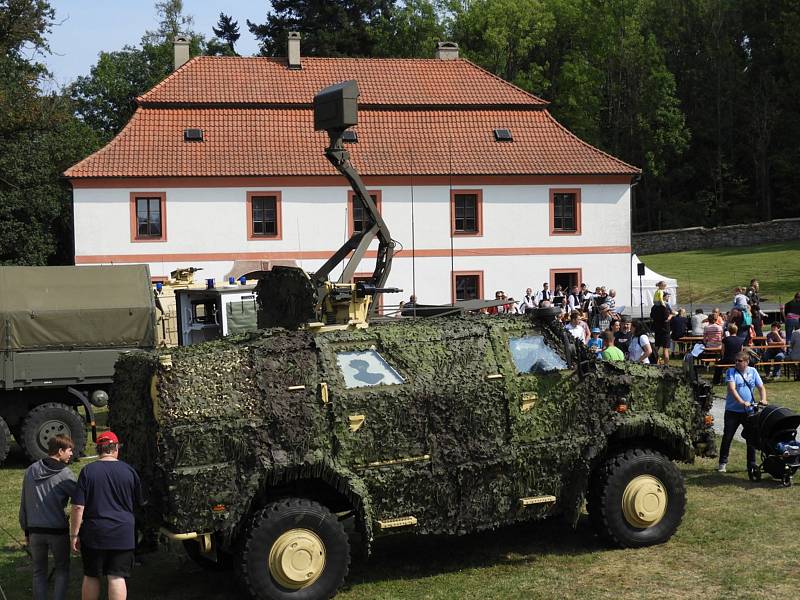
366	368
532	355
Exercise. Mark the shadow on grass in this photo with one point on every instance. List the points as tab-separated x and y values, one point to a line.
403	556
170	576
702	478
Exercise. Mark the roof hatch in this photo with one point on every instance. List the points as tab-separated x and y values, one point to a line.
503	135
192	135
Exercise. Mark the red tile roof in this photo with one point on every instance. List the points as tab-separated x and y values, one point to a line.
381	81
442	112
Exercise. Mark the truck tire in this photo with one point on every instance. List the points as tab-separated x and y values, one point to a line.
296	549
637	498
5	439
47	420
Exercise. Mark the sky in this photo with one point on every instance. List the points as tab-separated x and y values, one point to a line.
84	28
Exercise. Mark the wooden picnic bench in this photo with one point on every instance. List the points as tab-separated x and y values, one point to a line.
786	365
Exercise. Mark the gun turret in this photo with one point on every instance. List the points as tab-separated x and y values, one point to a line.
289	297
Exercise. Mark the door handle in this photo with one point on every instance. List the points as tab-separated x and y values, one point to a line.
355	422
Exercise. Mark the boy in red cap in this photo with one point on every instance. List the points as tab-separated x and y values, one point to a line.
102	523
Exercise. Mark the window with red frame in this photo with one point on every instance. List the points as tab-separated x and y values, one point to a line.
565	212
361	218
466	218
264	215
148	217
467	287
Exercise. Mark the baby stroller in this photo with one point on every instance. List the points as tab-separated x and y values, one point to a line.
773	431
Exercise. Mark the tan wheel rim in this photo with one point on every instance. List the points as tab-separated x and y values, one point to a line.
644	501
297	559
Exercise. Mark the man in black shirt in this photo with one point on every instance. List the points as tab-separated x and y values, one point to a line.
679	325
623	337
731	346
102	511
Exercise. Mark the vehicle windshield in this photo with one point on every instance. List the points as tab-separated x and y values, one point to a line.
532	355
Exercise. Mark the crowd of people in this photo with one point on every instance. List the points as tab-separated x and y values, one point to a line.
597	319
101	523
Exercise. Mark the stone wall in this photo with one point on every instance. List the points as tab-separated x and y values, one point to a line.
730	236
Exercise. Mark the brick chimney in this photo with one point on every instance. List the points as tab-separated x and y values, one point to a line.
446	51
293	54
181	47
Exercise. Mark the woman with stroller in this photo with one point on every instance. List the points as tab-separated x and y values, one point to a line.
742	380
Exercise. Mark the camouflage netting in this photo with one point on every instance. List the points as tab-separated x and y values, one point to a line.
454	445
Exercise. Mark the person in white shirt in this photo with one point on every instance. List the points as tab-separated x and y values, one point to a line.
639	349
578	327
698	319
528	302
574	299
544	294
739	298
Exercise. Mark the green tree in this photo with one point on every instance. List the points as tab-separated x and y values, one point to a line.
226	30
503	35
172	23
408	31
328	27
39	138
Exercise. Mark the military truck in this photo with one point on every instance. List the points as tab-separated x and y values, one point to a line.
61	331
261	451
286	451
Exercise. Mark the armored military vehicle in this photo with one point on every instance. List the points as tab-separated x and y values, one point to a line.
258	450
61	331
286	451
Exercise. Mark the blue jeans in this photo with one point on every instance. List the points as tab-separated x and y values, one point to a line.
58	544
791	325
774	355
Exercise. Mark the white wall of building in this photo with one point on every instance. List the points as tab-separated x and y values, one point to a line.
512	252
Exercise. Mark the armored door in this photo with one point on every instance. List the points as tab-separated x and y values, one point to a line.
379	422
546	433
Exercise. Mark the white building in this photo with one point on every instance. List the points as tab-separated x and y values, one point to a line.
220	163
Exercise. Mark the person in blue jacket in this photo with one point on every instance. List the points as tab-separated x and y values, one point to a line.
742	380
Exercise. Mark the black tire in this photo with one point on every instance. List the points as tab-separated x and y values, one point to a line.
754	474
5	439
787	480
224	561
270	528
622	473
47	420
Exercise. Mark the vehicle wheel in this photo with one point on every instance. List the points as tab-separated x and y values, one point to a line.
224	561
637	499
296	549
754	474
47	420
5	439
787	480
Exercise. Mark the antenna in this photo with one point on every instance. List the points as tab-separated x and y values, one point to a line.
450	200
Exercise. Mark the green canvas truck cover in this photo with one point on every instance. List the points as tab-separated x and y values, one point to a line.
45	308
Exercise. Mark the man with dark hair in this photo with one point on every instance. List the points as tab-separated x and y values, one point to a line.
46	488
102	511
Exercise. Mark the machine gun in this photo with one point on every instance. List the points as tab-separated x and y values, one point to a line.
289	297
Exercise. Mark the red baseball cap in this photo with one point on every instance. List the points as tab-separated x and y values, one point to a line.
107	437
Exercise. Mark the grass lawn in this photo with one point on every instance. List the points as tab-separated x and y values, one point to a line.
709	276
738	540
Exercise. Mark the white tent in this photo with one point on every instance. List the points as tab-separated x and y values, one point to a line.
649	281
